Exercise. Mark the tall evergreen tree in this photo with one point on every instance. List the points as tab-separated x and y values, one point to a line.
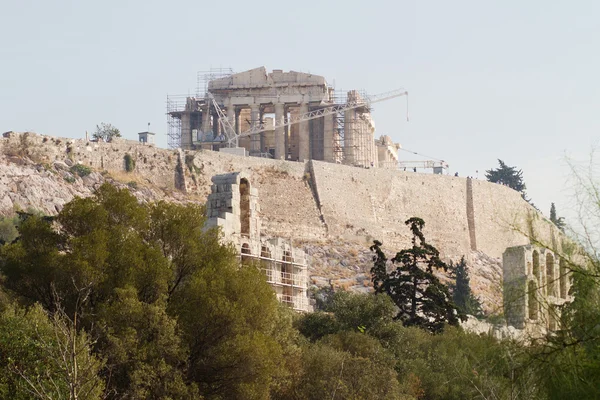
421	298
510	177
558	221
462	295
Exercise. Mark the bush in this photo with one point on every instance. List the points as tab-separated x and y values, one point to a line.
81	170
129	163
132	184
69	178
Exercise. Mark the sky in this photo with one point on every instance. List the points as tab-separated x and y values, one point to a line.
487	80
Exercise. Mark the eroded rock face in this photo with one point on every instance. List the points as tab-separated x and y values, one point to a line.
332	211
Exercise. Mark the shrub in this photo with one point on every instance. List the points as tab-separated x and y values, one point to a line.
129	163
69	178
132	184
81	170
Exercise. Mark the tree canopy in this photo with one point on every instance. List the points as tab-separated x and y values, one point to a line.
106	132
422	299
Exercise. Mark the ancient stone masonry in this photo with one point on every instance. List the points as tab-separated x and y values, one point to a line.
233	206
257	98
536	285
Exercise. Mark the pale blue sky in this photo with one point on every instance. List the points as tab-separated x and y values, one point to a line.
516	80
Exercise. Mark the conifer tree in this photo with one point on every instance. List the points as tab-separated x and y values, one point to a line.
558	221
421	298
462	295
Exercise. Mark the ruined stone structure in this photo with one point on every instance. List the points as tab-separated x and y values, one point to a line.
257	98
233	206
536	285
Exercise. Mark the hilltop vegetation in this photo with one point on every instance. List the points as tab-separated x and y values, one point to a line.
116	299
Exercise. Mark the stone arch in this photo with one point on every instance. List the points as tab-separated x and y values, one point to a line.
562	278
245	207
532	300
550	274
287	278
267	263
246	253
536	265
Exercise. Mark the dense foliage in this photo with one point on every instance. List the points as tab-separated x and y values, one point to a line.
462	295
106	132
113	299
422	299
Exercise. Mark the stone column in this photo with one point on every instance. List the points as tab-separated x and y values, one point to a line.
286	133
328	125
254	121
206	119
279	132
349	139
215	124
303	135
186	131
231	118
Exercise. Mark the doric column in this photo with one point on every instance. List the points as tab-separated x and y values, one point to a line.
328	124
254	121
349	138
206	119
279	132
303	136
231	118
215	124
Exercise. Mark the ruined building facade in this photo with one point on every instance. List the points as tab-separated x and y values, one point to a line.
233	206
536	285
257	98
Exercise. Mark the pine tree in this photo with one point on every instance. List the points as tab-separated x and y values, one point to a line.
558	221
510	177
421	298
462	295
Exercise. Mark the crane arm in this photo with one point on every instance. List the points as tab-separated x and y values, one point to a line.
258	128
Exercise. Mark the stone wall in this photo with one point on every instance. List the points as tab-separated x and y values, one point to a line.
316	200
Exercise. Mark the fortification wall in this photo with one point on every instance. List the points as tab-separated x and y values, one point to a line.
318	200
376	202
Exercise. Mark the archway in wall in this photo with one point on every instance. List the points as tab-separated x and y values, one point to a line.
246	253
532	300
267	263
562	278
550	275
245	206
536	266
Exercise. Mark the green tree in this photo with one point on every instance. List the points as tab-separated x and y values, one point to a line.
462	295
46	357
510	177
422	299
174	314
8	229
558	221
106	132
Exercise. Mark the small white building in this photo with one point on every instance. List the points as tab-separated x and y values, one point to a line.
147	137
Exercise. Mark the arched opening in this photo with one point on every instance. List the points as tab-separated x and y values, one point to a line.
552	318
550	274
245	206
246	253
287	278
536	265
532	300
267	263
562	278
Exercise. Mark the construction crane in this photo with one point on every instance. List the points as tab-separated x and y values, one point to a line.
232	138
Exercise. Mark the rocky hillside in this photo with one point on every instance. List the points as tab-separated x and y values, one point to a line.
43	173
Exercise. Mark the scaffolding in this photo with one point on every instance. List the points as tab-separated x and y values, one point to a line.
285	273
177	106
